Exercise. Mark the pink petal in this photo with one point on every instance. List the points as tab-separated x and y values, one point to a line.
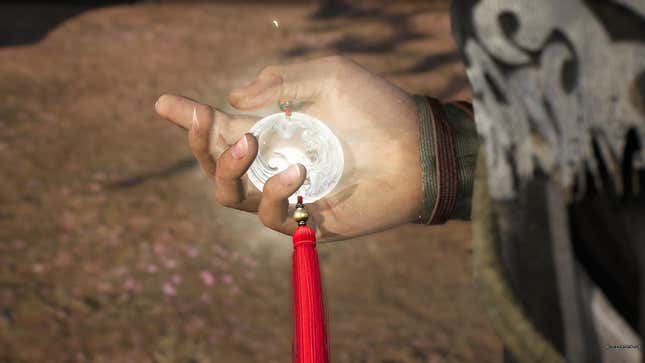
192	252
170	263
169	290
227	279
207	278
130	284
176	279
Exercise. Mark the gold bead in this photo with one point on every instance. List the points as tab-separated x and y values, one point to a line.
300	215
284	104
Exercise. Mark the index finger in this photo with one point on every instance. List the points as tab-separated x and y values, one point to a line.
179	110
182	110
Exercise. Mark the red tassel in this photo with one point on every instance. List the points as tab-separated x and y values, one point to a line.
309	336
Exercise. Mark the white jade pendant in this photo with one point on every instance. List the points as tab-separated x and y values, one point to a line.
285	140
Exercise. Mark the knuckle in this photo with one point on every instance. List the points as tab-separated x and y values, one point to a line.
270	188
207	164
337	61
206	170
224	200
205	113
269	70
338	69
334	58
220	199
266	220
198	145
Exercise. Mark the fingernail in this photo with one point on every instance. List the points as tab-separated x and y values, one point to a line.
291	174
194	128
240	148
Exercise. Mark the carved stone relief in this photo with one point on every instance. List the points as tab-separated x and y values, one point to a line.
550	80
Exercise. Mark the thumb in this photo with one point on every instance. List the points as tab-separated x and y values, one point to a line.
273	210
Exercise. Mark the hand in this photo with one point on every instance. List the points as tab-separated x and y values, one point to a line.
375	121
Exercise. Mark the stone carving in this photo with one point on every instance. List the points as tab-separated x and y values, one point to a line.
549	82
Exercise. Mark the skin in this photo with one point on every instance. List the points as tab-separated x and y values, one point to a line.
376	122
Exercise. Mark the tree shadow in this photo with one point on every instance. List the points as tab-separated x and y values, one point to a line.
165	172
24	23
401	29
329	9
431	62
399	26
456	84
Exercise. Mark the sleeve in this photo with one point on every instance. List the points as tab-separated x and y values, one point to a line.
448	145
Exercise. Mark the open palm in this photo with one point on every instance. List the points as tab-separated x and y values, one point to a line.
375	121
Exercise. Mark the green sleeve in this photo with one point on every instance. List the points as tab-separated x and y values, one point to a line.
466	144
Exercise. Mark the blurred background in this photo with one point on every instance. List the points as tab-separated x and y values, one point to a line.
111	246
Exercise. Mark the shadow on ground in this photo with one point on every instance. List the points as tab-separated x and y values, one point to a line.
23	23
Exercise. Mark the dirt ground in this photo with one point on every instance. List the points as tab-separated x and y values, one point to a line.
111	246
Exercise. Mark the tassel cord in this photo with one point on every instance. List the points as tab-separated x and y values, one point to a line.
309	343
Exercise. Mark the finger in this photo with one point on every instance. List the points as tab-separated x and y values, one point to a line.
221	128
296	82
204	139
273	210
180	110
229	187
199	140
